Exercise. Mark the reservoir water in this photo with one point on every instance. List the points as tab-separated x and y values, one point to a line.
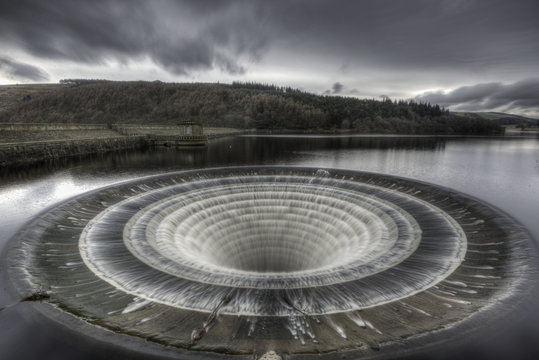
502	171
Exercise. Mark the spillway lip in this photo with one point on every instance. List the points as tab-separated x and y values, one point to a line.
343	268
141	248
272	243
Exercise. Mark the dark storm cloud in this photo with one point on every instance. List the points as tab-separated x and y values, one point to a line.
418	31
337	87
522	96
440	36
420	34
179	36
20	71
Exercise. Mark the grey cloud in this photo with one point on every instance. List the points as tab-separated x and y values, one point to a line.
522	96
203	34
337	87
20	71
228	65
182	57
179	36
419	34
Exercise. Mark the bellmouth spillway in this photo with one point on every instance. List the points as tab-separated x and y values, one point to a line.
292	260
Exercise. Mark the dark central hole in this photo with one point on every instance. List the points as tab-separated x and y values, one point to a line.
273	250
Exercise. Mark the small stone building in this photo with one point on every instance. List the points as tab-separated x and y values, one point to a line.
190	128
191	133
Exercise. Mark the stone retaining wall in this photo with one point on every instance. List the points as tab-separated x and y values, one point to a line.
55	126
28	152
27	143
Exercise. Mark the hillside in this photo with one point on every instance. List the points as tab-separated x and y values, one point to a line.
239	105
504	119
11	95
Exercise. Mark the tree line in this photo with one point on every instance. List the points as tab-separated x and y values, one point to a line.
239	105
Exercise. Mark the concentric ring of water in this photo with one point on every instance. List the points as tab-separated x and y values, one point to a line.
157	256
261	230
268	233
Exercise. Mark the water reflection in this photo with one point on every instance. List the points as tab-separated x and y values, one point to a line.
238	150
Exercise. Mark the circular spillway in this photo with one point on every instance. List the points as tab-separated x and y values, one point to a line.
273	258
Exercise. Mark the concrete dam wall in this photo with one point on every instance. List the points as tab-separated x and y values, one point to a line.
29	152
28	143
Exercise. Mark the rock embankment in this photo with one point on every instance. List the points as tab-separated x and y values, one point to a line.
29	143
29	152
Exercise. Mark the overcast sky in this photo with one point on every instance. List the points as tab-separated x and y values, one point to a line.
463	54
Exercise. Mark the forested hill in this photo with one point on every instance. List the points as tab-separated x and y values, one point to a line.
240	105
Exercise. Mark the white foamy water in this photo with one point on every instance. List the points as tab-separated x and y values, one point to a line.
261	233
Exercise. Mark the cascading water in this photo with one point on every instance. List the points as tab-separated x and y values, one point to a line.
285	259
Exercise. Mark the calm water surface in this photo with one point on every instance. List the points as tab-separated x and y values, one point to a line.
502	171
